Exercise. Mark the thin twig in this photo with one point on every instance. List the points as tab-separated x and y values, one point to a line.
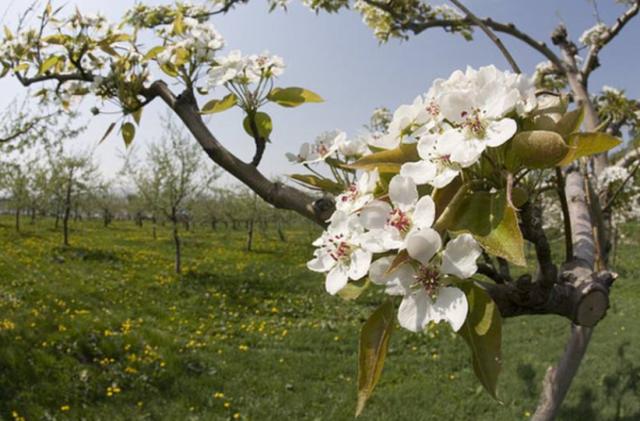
566	217
492	36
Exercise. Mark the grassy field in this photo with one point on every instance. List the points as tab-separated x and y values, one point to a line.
104	330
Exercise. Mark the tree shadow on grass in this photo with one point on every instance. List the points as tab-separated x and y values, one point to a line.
620	388
60	254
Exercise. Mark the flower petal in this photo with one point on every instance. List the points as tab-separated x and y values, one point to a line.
500	131
451	305
336	279
414	310
459	257
423	244
375	214
403	192
360	262
420	172
321	263
424	213
398	281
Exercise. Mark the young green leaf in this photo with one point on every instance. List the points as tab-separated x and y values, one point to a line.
292	97
478	212
263	125
388	160
587	144
482	331
219	105
107	132
320	183
153	53
374	342
48	63
505	240
354	289
128	133
570	122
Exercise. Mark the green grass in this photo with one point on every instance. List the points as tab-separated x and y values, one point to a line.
104	330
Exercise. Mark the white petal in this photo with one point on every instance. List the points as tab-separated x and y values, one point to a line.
360	262
500	131
375	214
373	241
403	192
424	213
450	305
336	279
468	153
398	282
444	177
414	310
420	172
322	263
459	257
423	244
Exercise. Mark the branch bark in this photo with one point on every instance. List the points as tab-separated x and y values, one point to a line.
276	193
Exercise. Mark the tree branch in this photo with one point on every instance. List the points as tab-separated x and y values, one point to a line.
591	61
449	24
489	34
276	193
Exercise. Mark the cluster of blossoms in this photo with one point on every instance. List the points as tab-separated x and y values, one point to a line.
594	35
385	229
327	144
196	40
457	120
244	70
144	16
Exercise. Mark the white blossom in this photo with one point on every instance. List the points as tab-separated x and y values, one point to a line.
427	296
339	253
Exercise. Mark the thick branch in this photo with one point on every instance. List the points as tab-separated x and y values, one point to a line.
591	61
278	194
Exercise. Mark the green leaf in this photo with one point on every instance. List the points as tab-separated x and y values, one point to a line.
182	56
482	331
169	69
7	33
108	132
505	240
388	160
587	144
374	342
538	149
48	63
292	97
570	122
354	289
58	39
263	125
478	212
178	24
319	183
137	115
128	133
153	53
219	105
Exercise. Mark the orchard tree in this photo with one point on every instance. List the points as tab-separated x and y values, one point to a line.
15	180
456	175
172	176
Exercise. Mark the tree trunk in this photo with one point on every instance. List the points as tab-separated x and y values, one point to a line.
18	219
154	228
67	210
33	215
250	225
176	240
56	224
281	234
558	379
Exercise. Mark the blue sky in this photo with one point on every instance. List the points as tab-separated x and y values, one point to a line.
338	57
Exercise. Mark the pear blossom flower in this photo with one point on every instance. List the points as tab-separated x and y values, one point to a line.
401	223
339	252
359	193
408	123
438	165
426	298
325	145
354	148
